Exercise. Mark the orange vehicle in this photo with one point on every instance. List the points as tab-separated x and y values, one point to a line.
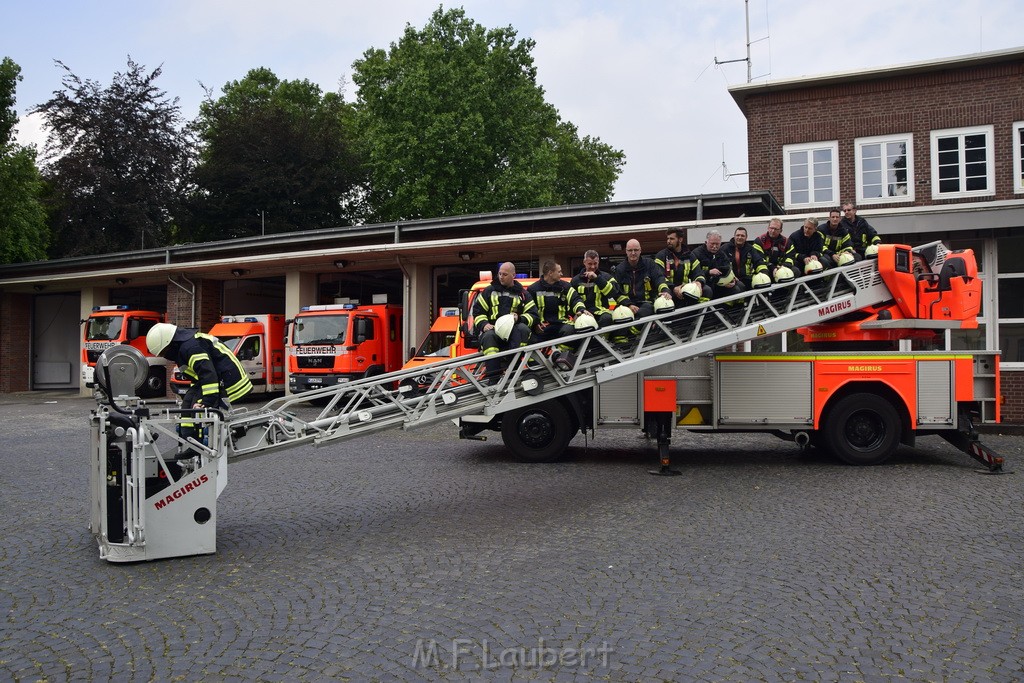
336	343
108	326
258	343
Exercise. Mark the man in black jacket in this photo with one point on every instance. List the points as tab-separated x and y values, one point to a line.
745	260
720	276
862	235
679	265
807	247
640	281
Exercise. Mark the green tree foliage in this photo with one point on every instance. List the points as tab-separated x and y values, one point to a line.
454	122
274	153
115	156
23	230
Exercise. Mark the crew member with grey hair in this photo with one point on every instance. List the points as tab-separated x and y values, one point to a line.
717	267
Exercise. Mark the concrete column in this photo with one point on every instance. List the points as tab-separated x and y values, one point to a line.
299	291
417	291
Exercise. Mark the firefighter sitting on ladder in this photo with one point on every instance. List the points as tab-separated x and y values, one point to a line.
502	315
217	378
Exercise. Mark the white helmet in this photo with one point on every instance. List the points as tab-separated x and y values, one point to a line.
846	258
812	267
584	323
622	313
784	274
693	290
159	337
663	305
871	251
728	278
503	326
760	281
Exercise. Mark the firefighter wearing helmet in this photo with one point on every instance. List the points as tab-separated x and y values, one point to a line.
506	297
217	377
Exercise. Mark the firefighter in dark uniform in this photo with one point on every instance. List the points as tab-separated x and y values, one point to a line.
639	280
862	235
550	296
837	238
773	248
744	258
504	297
679	266
717	267
217	378
807	249
592	291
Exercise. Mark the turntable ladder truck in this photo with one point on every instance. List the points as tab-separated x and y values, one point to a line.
154	492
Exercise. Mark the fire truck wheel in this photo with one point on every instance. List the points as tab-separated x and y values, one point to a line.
863	429
537	433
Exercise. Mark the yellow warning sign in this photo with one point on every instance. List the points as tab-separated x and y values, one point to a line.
761	331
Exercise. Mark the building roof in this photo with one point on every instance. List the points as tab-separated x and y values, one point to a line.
740	93
361	245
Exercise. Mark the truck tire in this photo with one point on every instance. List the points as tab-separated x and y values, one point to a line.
863	429
537	433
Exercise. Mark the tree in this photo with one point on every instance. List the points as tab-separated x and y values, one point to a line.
454	122
23	231
114	158
274	153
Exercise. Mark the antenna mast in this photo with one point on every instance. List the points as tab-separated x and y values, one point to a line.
750	77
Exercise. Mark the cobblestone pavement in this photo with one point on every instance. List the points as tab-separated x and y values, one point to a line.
415	556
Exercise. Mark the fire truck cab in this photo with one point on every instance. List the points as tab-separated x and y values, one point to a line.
334	344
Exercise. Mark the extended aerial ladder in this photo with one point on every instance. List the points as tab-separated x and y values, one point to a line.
154	491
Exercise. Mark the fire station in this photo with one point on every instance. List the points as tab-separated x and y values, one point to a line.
926	151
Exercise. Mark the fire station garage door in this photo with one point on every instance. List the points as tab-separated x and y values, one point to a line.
56	341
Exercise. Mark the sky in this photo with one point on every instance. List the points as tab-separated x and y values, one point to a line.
638	74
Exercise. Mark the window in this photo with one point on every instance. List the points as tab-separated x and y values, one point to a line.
811	174
1010	305
962	163
885	169
1018	156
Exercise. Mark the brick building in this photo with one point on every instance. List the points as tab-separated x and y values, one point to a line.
931	150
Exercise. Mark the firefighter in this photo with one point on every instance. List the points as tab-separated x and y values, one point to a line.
807	249
217	377
640	281
592	291
506	297
680	267
720	276
773	246
862	235
744	259
837	239
550	296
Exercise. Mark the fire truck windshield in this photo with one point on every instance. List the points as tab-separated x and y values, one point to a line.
320	329
104	328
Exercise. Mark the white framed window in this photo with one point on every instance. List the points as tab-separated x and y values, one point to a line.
1018	156
811	174
885	169
962	163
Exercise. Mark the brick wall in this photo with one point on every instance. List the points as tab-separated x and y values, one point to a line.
1012	385
15	333
209	294
918	104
